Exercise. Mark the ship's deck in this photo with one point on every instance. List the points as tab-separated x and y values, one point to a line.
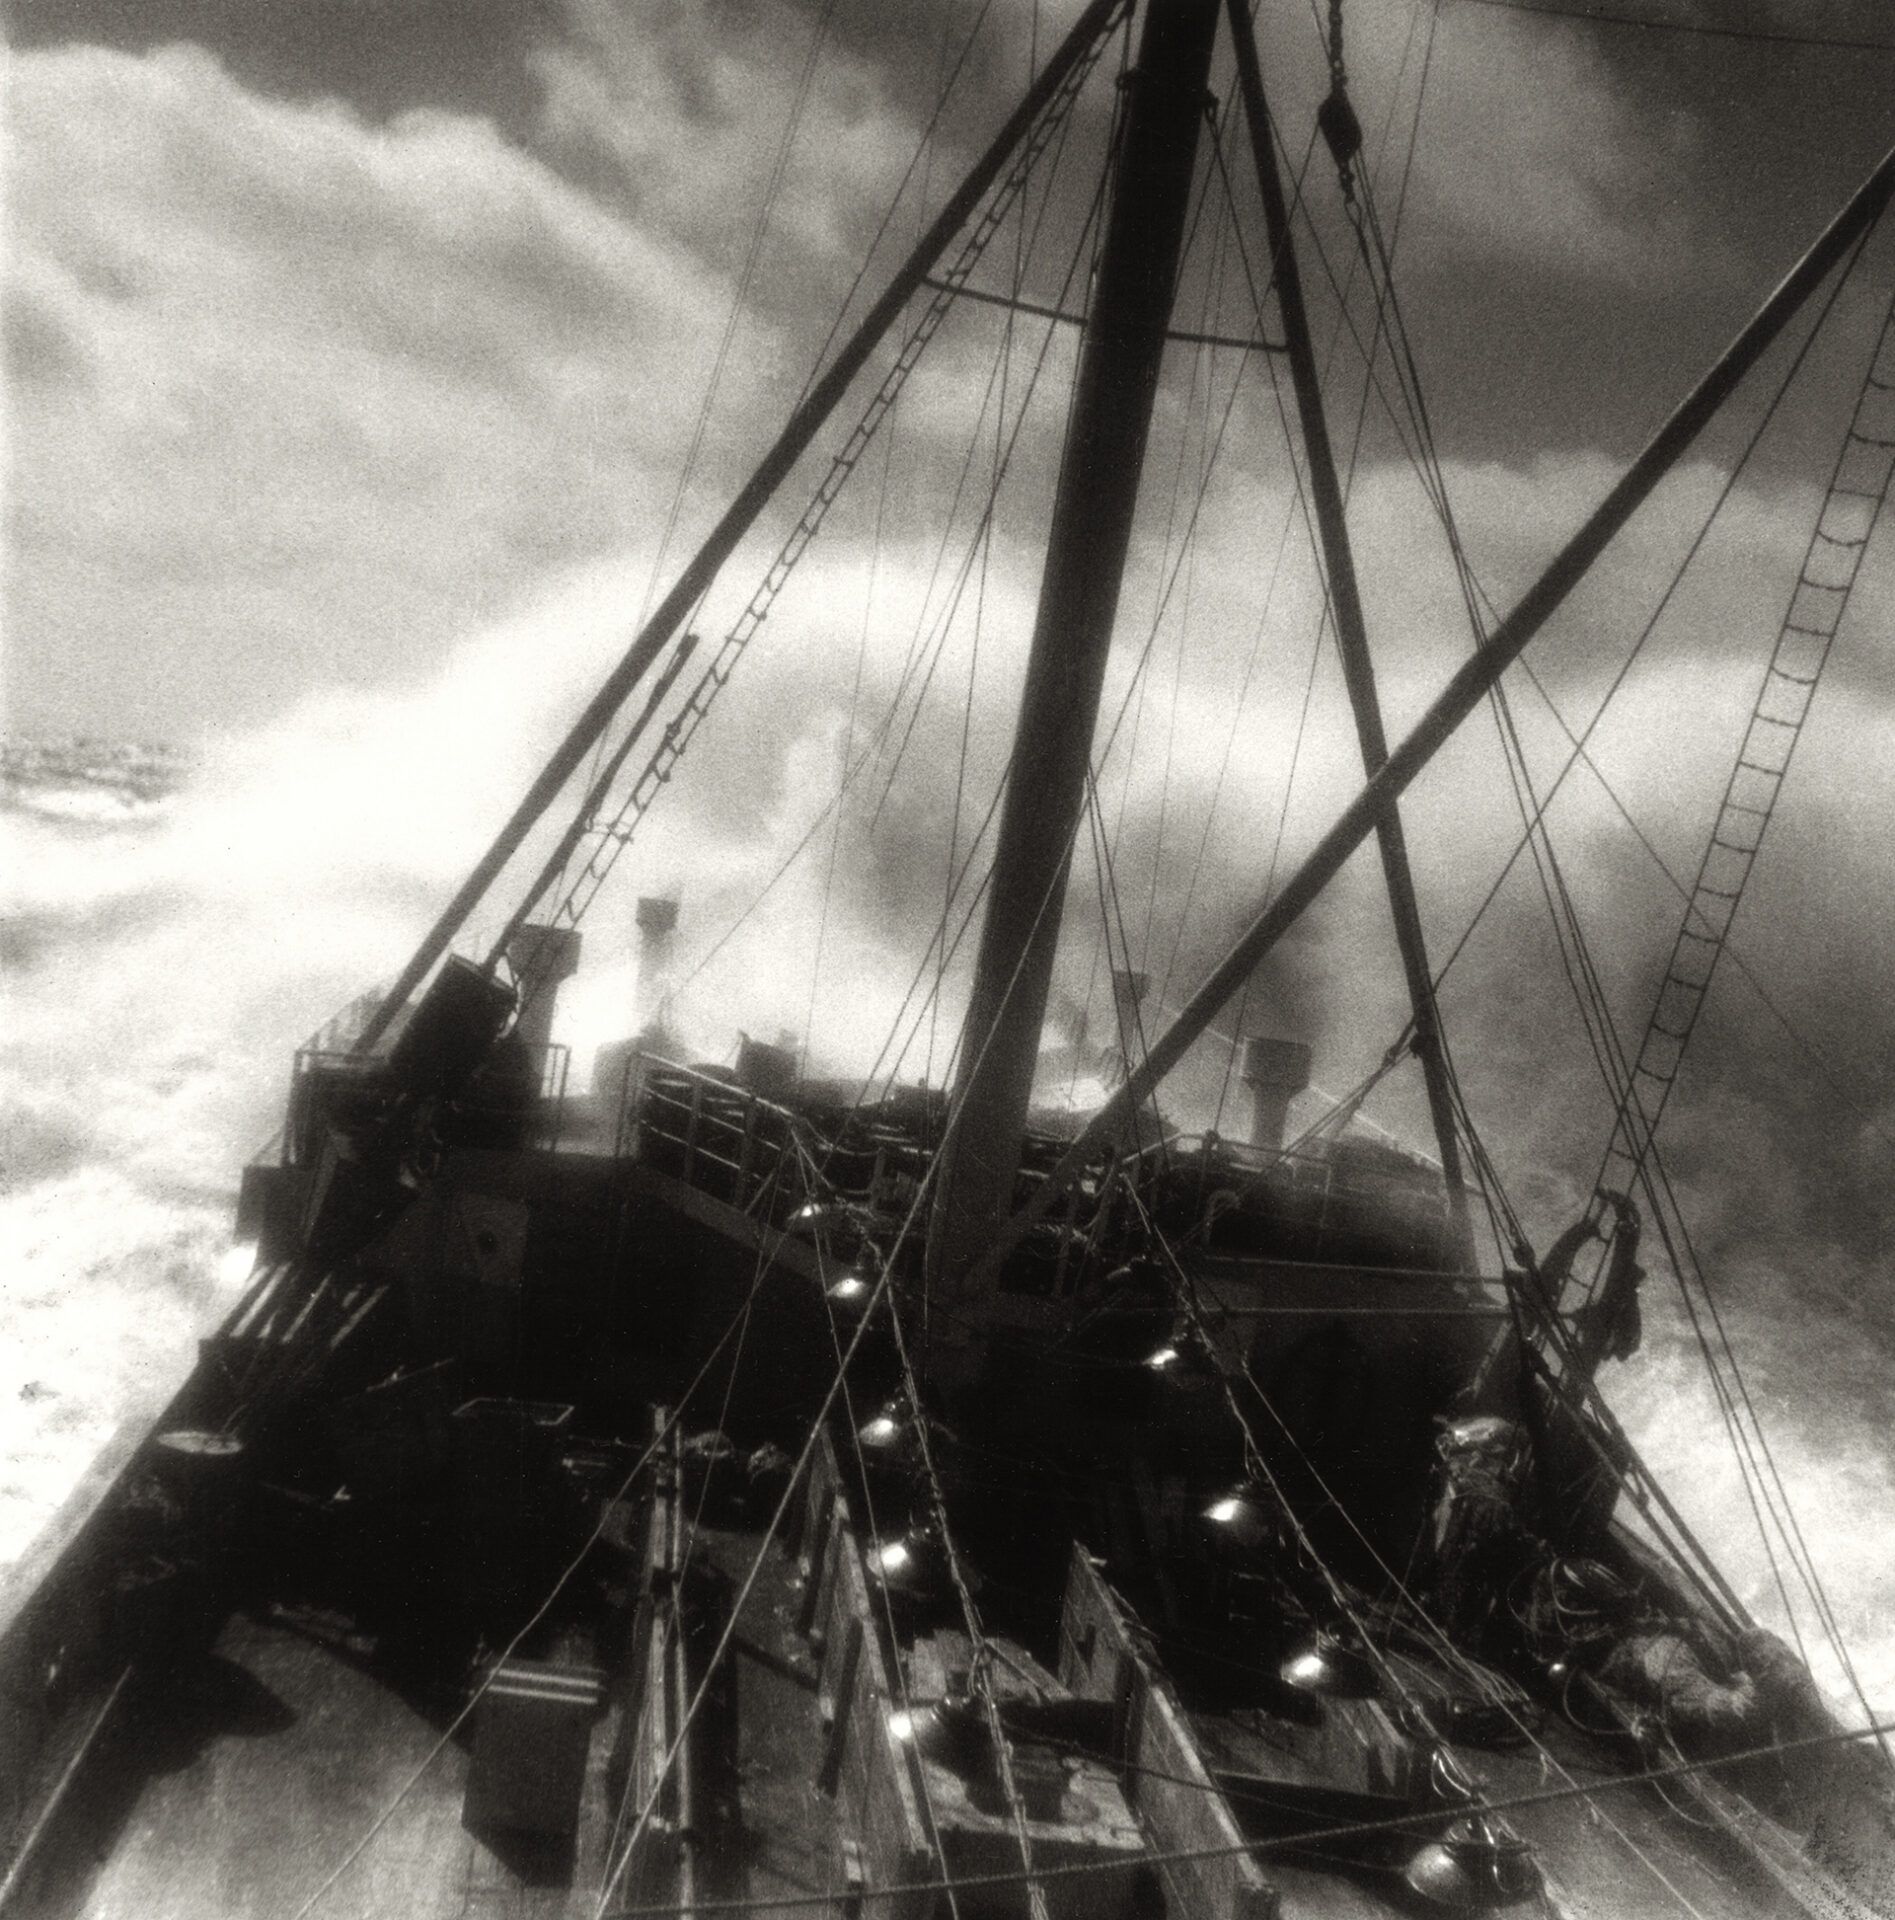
238	1784
299	1766
1621	1857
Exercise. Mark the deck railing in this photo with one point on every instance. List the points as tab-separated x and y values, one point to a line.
326	1083
765	1159
1325	1207
719	1137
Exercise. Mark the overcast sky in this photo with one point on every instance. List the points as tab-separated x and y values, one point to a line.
336	327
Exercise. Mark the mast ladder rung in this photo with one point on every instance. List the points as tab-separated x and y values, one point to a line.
1843	497
1840	588
1690	985
1721	830
1789	690
1796	652
1748	848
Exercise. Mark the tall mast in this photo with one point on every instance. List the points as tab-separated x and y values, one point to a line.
1345	603
1467	687
1119	357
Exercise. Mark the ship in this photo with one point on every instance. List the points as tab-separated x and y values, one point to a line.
736	1491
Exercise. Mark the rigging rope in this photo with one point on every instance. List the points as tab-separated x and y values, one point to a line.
1845	521
778	171
923	156
935	645
1299	499
572	1566
848	742
1090	236
898	1670
1005	362
873	750
1265	1848
684	724
616	1872
1185	1293
675	1608
1581	972
614	835
1646	633
870	1305
980	1676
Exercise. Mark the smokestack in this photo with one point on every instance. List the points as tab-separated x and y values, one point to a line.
657	924
656	917
541	958
1275	1071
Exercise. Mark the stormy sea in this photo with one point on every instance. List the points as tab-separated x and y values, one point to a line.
175	925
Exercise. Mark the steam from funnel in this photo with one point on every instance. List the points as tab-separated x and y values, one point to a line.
616	1068
1275	1071
657	938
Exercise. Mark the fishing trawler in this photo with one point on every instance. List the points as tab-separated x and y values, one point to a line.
738	1492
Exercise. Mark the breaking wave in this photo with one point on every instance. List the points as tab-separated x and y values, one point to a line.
163	968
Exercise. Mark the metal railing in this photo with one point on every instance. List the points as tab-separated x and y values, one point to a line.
1309	1205
713	1134
328	1086
766	1159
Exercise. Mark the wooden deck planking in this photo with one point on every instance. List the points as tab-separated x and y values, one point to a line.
778	1836
1625	1857
1166	1777
297	1750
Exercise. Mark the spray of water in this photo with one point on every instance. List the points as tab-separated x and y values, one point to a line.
167	957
